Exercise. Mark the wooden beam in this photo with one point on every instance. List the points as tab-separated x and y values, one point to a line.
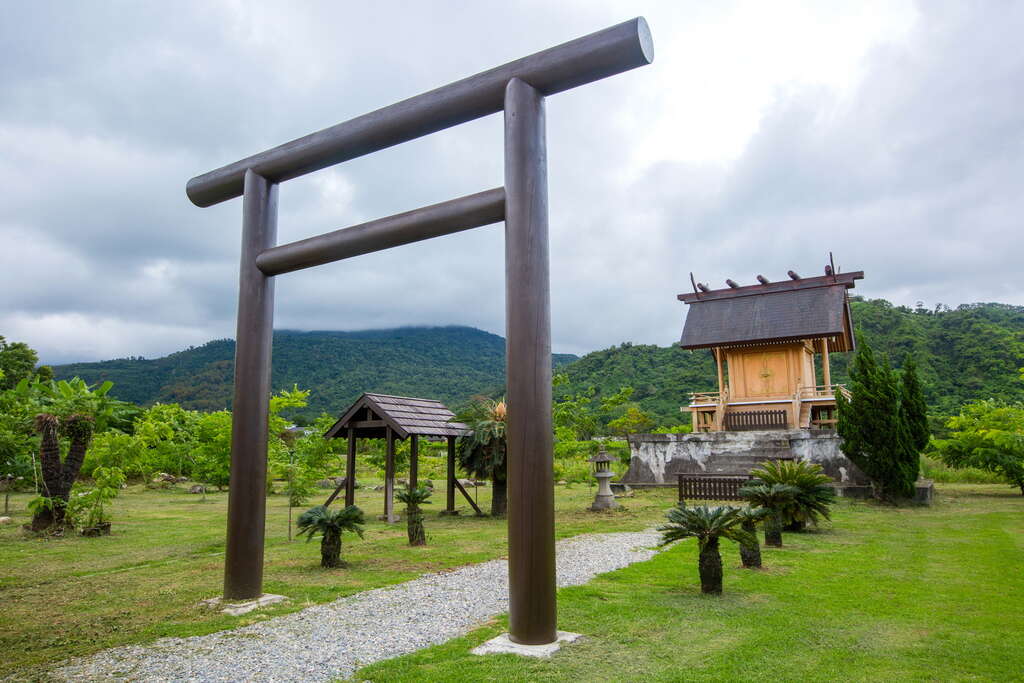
826	371
450	501
718	361
350	469
368	424
414	465
389	479
528	429
247	494
471	501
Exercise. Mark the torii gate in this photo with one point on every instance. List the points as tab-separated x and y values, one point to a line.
519	89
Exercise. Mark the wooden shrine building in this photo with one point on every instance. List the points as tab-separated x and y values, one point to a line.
765	338
378	416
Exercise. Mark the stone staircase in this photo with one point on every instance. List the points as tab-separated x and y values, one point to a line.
743	451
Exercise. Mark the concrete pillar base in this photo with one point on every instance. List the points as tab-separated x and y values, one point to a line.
503	645
245	606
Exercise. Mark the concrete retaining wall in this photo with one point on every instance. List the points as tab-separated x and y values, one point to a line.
658	458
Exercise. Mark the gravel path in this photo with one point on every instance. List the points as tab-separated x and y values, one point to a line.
329	641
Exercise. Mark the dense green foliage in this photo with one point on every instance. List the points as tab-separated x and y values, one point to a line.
987	435
915	409
963	354
18	362
451	364
971	352
88	507
874	427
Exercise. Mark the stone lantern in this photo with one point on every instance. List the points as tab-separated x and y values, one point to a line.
605	499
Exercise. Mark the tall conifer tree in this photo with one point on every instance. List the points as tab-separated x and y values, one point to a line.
913	404
874	428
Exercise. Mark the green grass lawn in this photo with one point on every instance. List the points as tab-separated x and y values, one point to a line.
73	596
900	594
912	594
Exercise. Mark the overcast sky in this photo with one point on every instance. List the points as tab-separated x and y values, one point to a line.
763	136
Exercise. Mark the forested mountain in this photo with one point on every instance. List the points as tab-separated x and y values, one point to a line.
448	363
973	351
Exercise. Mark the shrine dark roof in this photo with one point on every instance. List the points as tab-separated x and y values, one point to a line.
372	414
805	308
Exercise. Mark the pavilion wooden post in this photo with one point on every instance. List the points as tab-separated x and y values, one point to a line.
389	478
826	371
721	379
450	500
350	469
414	457
247	496
531	502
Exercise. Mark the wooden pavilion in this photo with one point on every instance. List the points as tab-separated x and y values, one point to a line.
379	416
765	338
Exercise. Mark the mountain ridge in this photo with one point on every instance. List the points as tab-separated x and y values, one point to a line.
449	362
970	352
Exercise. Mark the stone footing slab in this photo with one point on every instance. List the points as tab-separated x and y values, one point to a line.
503	645
238	608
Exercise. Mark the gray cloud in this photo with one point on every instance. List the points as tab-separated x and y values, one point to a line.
109	108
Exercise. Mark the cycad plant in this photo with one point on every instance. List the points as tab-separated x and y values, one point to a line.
812	503
750	551
330	524
413	499
481	452
707	525
58	477
779	500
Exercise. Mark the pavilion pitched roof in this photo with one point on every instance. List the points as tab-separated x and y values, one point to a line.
372	414
804	308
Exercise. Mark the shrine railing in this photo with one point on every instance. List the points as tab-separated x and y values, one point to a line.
755	420
706	397
824	391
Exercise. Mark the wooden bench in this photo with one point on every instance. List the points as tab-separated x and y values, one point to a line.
711	486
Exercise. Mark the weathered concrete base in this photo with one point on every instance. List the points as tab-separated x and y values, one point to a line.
857	491
924	491
658	458
238	608
503	645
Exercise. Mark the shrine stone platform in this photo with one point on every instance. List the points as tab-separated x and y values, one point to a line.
656	459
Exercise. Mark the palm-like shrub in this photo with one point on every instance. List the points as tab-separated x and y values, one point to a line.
750	550
707	525
413	499
58	477
330	524
779	500
482	452
812	502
